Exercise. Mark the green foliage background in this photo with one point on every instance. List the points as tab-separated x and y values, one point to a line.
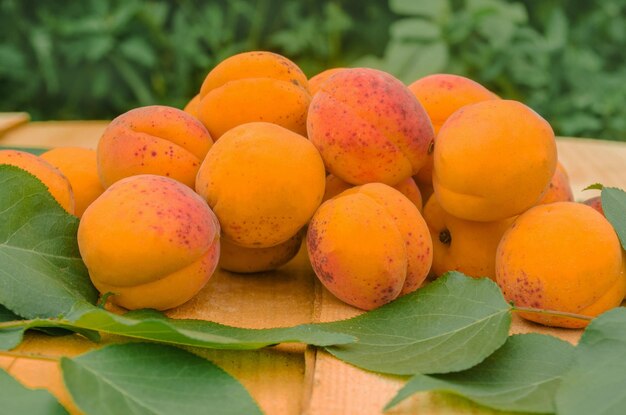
97	59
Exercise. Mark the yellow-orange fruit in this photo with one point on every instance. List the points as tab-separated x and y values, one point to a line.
369	245
149	240
264	183
463	245
254	86
441	95
316	81
562	256
369	127
80	167
596	203
559	189
192	106
237	258
486	170
153	140
407	187
57	184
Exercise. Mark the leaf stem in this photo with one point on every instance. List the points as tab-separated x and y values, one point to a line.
34	356
15	323
554	313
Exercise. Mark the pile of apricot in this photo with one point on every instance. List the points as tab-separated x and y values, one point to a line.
389	185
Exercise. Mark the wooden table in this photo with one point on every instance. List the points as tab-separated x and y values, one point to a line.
290	379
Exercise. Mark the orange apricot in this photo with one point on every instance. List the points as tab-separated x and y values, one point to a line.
493	160
369	127
559	189
153	140
57	184
596	203
80	167
193	105
316	81
563	256
254	86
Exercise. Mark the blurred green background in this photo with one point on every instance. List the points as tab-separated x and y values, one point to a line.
95	59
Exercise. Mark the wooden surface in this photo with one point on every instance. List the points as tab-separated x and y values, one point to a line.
289	379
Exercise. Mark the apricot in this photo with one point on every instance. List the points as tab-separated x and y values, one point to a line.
254	86
192	106
57	184
441	95
559	189
596	203
80	167
369	245
264	183
152	140
149	240
562	256
239	259
334	186
316	81
493	160
463	245
369	127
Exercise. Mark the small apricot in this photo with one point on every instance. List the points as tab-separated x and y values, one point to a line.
244	260
596	203
149	240
559	189
563	256
58	185
193	106
316	81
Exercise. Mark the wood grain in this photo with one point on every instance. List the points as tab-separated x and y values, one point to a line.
9	120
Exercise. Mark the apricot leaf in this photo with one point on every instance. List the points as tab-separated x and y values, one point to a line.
594	186
451	324
41	271
18	399
595	383
614	206
151	379
523	375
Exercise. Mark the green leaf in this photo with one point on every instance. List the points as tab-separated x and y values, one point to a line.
17	399
523	375
450	325
32	150
595	186
41	271
614	206
9	338
595	384
433	9
151	379
415	29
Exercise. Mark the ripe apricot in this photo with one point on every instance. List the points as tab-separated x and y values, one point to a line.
80	167
193	105
562	256
407	187
493	160
149	240
369	127
316	81
463	245
152	140
596	203
57	184
237	258
369	245
264	183
441	95
559	189
254	86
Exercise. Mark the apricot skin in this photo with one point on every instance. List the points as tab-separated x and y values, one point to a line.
484	170
369	245
264	183
315	82
80	167
153	140
151	241
562	256
369	127
559	189
254	86
58	185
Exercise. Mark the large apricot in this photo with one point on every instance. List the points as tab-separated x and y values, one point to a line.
559	189
254	86
463	245
193	105
237	258
57	184
369	245
149	240
441	95
369	127
316	81
153	140
562	256
264	183
493	160
80	167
